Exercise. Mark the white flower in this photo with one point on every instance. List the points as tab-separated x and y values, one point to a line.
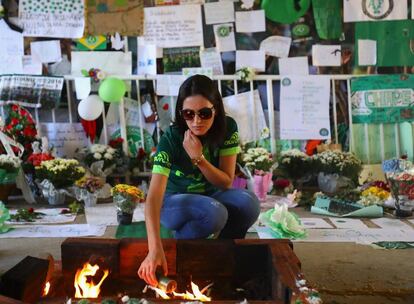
247	4
101	75
97	155
108	155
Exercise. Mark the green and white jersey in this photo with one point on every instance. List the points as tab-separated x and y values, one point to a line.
173	161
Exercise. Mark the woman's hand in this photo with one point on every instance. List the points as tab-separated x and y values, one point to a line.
149	266
192	144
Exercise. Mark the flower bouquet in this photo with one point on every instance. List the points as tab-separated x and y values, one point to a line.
9	168
87	189
337	170
259	164
375	193
100	159
56	175
295	164
126	198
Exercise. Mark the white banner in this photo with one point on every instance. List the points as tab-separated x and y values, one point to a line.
375	10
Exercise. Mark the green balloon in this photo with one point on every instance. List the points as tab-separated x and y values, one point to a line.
112	89
285	11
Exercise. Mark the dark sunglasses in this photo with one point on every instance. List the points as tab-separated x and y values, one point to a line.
204	113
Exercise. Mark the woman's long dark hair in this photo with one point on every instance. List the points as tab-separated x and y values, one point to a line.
204	86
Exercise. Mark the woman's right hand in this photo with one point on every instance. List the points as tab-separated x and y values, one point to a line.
149	266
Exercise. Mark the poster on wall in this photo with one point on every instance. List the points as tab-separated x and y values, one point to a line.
369	10
382	99
175	59
114	16
31	91
58	18
304	107
174	26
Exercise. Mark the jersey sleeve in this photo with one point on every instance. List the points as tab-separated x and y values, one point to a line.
163	157
231	142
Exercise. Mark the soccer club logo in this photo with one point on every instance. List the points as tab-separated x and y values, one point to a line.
377	9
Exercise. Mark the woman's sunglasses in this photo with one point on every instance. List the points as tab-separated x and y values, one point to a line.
204	113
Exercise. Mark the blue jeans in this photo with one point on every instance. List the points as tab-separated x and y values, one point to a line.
191	216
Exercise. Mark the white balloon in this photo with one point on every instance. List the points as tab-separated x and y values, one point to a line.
91	107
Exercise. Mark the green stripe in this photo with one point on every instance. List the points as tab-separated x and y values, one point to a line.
161	170
229	151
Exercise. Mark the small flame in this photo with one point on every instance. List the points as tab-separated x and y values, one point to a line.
195	295
46	289
85	289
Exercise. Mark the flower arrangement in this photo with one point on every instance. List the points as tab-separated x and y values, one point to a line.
9	163
246	74
90	183
257	160
20	126
374	195
342	163
294	163
60	172
96	74
126	197
103	153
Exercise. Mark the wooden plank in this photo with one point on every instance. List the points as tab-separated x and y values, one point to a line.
26	280
134	251
6	300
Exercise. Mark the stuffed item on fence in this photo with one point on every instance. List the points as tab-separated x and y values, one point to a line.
284	224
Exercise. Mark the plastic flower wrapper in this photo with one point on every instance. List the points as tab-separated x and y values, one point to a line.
284	224
4	216
126	197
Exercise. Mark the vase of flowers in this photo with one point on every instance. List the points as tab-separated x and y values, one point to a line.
126	198
9	168
402	189
337	170
101	160
87	189
259	162
56	176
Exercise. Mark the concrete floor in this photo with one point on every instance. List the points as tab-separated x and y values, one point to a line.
342	272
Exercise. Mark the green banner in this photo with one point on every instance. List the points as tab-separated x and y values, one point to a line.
394	41
382	99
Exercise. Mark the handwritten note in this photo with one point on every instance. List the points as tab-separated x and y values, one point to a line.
11	50
253	59
250	21
174	26
277	46
294	66
31	65
304	107
219	12
147	59
48	231
168	85
117	63
326	55
224	36
64	137
58	18
211	58
46	51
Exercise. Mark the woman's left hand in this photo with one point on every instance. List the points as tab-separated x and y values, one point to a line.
192	145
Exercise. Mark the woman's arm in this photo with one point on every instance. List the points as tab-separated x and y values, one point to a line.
221	177
156	256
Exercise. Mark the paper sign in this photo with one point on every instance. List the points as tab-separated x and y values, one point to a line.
112	16
315	223
326	55
58	18
277	46
224	36
304	107
253	59
11	50
367	52
364	10
168	85
219	12
186	2
211	58
187	72
250	21
31	66
294	66
246	109
49	231
346	223
141	41
64	137
133	118
390	223
82	87
112	63
46	51
147	59
174	26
